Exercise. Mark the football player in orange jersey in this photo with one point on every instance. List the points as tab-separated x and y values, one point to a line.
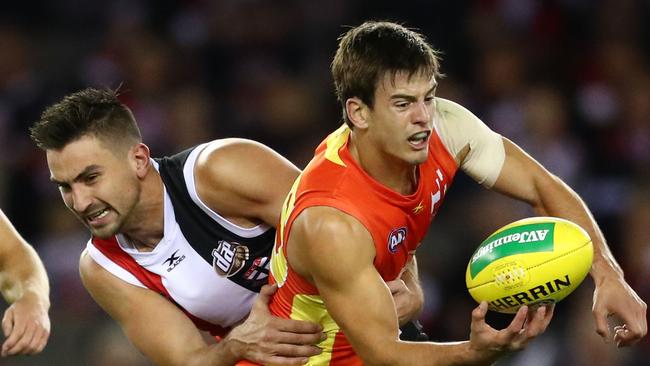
357	213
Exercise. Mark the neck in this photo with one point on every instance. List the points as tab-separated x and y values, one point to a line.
387	170
145	226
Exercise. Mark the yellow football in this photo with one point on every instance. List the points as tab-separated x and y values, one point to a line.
530	261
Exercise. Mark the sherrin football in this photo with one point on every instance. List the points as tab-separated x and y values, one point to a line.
530	261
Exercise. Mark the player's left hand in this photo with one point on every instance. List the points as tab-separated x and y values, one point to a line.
26	325
614	297
408	304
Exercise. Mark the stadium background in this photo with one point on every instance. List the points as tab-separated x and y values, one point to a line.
566	79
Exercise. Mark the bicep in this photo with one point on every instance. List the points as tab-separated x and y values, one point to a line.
345	277
243	178
521	176
157	327
369	326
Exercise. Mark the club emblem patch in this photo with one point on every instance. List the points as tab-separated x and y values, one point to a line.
229	258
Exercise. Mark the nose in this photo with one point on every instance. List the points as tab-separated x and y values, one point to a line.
421	114
79	199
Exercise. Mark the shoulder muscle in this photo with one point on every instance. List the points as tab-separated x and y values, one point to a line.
323	238
243	178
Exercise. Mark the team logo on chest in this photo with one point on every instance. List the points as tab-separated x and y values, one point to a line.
396	237
229	258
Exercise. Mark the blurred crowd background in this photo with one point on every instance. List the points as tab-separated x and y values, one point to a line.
568	80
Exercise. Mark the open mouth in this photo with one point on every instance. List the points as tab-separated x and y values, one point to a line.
97	216
420	139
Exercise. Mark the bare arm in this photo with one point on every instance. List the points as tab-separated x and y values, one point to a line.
346	277
243	179
24	284
523	178
407	293
167	336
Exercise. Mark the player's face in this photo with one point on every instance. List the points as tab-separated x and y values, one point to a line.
401	119
100	187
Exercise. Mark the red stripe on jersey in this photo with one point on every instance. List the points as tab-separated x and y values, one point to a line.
111	249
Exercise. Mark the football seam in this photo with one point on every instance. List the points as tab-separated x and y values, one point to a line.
537	265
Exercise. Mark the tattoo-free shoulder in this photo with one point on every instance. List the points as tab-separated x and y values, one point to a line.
223	162
241	177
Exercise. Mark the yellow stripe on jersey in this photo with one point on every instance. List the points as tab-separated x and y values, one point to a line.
335	140
279	266
312	308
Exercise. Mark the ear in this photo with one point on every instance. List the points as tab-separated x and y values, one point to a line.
141	158
357	112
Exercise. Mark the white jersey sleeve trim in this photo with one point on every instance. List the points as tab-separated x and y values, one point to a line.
458	128
111	266
188	173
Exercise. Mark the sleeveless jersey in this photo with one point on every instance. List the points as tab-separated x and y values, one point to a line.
397	224
207	266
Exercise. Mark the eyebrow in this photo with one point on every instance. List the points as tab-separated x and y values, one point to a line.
411	98
81	176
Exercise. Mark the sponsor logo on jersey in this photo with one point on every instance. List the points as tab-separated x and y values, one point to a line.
229	258
419	208
173	260
396	237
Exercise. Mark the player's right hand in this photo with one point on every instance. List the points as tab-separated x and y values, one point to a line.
489	343
266	339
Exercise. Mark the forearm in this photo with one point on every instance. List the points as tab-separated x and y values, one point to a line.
22	274
429	353
183	348
220	354
412	281
525	179
558	199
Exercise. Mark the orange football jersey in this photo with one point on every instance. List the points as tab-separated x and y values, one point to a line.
397	224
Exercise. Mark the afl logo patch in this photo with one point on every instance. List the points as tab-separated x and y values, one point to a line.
229	258
396	237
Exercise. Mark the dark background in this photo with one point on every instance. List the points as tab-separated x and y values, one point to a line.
568	80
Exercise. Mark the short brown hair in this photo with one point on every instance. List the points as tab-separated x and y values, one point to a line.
366	52
96	112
